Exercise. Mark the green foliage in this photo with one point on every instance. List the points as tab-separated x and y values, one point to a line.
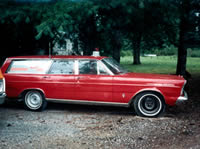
111	25
124	53
167	51
194	52
160	65
55	21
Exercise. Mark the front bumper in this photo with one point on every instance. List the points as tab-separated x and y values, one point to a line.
2	97
182	99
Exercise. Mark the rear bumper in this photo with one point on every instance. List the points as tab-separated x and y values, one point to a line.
2	97
182	99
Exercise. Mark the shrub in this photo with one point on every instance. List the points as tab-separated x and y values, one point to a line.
167	51
124	53
195	53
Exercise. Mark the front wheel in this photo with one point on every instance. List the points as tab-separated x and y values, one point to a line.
148	105
34	100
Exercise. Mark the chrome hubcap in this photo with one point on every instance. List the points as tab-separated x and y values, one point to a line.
150	105
33	100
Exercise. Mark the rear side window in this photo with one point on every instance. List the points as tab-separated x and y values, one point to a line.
62	67
29	66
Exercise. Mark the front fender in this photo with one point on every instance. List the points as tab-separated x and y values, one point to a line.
146	90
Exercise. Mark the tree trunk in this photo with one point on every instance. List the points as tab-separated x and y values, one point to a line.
50	48
116	54
136	50
181	61
117	46
182	49
76	47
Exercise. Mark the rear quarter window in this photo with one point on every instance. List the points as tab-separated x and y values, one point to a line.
29	66
62	67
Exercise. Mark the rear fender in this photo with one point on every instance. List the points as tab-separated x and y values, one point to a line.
26	90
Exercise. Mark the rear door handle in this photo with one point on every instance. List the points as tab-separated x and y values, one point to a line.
46	77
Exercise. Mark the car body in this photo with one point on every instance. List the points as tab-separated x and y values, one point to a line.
2	88
89	80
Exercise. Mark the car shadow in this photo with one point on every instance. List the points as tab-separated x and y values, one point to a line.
73	108
81	108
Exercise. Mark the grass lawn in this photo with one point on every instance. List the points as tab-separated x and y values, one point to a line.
160	65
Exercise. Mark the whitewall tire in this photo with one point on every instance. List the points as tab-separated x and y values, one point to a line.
34	100
149	104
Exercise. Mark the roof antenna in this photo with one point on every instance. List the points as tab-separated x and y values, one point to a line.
49	50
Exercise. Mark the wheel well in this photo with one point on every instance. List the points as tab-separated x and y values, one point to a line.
148	91
25	91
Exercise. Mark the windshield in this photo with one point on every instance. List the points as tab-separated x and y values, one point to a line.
113	66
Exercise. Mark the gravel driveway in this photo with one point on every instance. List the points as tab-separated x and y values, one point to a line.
87	127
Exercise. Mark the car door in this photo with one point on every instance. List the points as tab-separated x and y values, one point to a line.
93	83
60	80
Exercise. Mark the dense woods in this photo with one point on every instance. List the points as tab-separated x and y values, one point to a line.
110	25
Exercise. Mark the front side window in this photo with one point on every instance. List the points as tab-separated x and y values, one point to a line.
102	70
29	66
87	67
62	67
113	66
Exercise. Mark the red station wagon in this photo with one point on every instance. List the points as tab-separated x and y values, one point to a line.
89	80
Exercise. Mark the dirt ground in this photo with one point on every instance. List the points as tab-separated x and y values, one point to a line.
90	127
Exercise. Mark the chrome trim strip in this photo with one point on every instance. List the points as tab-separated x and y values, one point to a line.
2	89
161	85
108	84
4	85
88	102
70	83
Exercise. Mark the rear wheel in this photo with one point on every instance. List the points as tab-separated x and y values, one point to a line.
34	100
149	104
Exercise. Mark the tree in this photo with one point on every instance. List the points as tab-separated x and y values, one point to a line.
111	19
182	49
188	35
85	18
149	25
17	23
56	23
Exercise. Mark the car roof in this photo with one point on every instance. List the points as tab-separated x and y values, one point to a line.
58	57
